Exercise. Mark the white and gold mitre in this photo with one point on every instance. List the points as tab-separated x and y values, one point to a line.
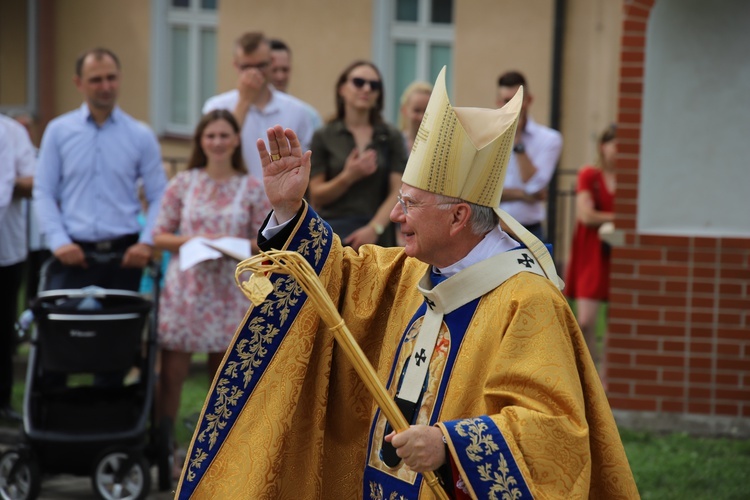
464	152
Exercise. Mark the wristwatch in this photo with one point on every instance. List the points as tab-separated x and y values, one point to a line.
519	148
377	228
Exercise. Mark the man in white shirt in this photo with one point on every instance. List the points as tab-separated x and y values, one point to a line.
17	165
37	246
256	104
536	152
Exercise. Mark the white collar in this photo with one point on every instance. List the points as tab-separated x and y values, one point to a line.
493	243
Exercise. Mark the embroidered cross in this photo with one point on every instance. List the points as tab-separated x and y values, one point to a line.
430	303
420	357
526	261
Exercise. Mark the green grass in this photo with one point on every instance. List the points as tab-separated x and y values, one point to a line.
677	466
193	395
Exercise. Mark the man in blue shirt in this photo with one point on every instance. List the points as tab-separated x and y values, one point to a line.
85	191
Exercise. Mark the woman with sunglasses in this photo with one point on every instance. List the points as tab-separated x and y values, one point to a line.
357	161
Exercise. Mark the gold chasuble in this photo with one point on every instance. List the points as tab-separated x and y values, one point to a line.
525	415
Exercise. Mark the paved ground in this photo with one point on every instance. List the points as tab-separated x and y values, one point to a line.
66	487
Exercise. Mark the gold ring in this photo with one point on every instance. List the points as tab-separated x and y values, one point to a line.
275	157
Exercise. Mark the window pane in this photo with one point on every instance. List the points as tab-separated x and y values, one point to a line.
407	10
440	55
405	73
180	3
207	65
178	95
209	4
442	11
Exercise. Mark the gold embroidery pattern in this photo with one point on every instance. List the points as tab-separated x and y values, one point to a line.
317	242
482	448
252	351
196	463
288	291
226	397
376	493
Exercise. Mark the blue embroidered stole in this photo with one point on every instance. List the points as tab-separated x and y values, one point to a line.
385	479
379	480
255	343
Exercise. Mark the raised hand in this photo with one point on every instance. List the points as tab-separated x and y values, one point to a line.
286	171
249	83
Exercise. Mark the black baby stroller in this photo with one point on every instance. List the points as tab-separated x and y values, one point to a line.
75	424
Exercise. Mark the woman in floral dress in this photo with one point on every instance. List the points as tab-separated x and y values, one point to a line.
200	307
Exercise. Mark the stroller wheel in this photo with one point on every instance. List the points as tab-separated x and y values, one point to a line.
121	474
19	476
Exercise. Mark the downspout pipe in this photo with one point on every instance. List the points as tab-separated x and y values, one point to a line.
555	111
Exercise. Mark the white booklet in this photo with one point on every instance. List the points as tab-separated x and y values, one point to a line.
198	249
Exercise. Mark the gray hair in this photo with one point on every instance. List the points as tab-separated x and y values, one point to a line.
483	219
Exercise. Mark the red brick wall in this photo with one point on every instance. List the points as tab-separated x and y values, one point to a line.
679	316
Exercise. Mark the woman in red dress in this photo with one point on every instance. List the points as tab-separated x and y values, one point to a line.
588	271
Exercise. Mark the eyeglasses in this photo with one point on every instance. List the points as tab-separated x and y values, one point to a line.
375	85
407	204
260	66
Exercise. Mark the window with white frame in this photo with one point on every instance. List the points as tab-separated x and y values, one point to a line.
184	63
413	41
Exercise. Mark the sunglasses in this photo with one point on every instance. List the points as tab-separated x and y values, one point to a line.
375	85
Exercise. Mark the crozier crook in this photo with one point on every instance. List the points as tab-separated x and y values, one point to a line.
259	286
